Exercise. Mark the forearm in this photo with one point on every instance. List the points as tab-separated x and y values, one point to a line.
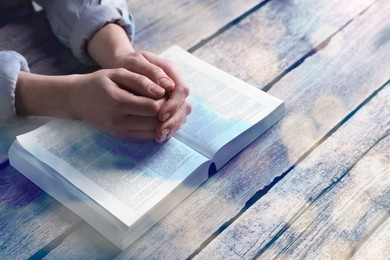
74	22
108	43
39	95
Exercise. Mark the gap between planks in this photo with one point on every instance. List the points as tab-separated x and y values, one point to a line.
58	240
203	42
312	52
260	193
312	200
227	26
377	228
283	227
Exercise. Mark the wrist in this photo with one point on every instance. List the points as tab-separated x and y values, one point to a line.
39	95
108	44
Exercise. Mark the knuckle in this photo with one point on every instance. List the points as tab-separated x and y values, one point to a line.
142	53
117	102
154	108
103	71
173	104
120	71
175	123
186	90
138	55
137	58
142	81
188	107
171	65
157	71
102	74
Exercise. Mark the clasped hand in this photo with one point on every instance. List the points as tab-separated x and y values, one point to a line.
144	98
136	95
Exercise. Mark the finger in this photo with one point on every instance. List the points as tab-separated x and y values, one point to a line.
130	104
141	65
181	91
174	102
169	67
137	83
168	128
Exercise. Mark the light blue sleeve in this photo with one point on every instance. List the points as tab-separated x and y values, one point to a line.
11	63
74	22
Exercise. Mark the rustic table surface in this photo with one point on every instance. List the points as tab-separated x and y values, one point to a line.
317	184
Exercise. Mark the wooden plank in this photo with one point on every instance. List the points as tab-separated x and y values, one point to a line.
179	234
161	23
88	238
377	245
272	41
33	38
340	76
29	219
222	196
225	201
340	219
328	204
153	14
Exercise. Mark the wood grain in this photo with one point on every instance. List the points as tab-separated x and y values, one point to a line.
29	219
328	204
276	38
319	94
223	196
181	233
159	25
377	245
162	23
82	244
33	38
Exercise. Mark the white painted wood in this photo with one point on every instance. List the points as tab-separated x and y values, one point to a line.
318	94
328	204
377	245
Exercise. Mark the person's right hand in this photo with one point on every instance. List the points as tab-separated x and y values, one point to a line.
174	111
117	101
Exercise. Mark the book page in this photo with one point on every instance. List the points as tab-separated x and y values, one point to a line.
18	126
223	106
126	178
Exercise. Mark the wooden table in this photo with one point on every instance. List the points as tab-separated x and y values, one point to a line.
317	184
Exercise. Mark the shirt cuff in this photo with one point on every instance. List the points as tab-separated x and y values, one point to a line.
11	63
92	20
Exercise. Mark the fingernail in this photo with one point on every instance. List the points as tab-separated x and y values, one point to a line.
156	89
166	116
164	133
166	83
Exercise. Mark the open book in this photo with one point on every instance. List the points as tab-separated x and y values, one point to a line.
123	188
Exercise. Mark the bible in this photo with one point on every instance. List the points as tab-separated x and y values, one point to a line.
122	188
